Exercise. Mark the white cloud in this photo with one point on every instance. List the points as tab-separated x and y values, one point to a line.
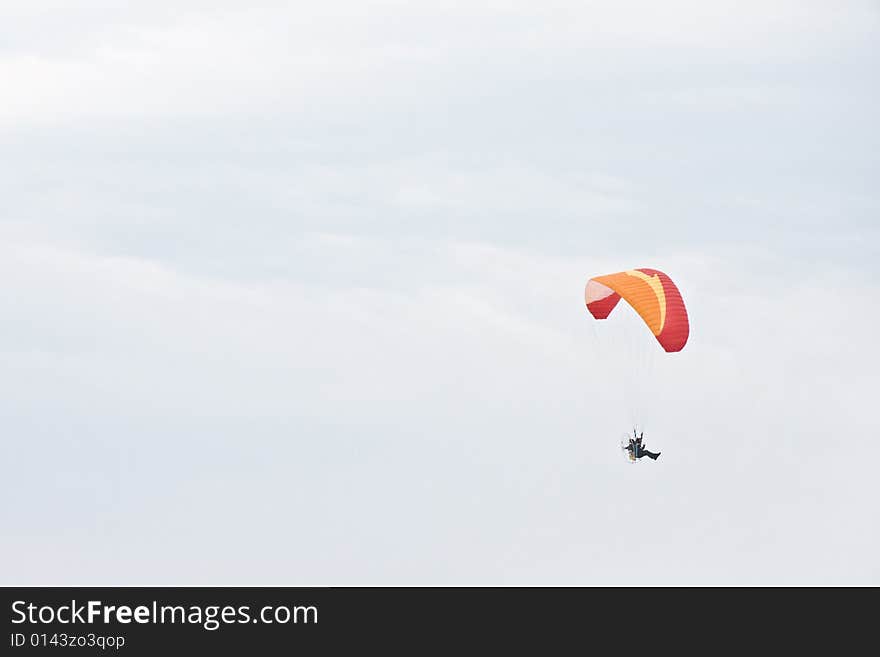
502	368
198	59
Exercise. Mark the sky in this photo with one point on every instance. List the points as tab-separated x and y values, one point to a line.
294	295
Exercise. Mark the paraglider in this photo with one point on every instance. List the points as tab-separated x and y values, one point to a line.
636	448
659	304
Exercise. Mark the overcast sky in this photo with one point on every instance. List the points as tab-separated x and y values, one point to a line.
295	295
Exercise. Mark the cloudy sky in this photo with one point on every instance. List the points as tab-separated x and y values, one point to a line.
294	295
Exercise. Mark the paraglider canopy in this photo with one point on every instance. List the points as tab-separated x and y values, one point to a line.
652	294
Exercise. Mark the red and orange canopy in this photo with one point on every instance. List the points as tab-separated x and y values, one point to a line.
652	294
